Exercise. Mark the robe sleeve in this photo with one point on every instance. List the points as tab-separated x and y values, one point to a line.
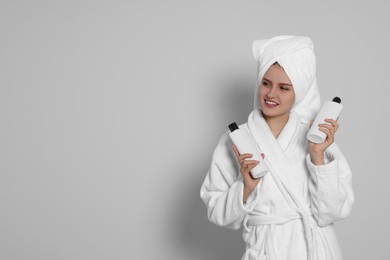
222	189
330	187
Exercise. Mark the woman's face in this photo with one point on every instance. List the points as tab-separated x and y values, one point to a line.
276	93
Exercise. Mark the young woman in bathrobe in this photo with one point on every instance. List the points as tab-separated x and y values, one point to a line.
289	212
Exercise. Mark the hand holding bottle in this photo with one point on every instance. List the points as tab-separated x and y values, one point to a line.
245	144
316	150
246	165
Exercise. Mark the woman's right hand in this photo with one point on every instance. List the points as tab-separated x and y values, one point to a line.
246	166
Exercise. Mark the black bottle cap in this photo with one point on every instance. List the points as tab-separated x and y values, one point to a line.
233	126
337	100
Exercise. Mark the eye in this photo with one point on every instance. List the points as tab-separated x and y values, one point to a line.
265	83
284	88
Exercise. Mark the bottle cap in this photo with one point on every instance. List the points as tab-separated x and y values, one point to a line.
337	100
233	126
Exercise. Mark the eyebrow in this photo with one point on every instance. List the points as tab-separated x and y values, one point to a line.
280	83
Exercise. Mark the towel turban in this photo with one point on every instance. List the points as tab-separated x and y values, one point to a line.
296	55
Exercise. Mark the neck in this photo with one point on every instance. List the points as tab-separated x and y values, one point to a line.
276	124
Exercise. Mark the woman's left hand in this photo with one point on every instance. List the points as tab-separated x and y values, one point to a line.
317	150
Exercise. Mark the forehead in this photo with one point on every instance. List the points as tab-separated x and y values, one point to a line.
277	75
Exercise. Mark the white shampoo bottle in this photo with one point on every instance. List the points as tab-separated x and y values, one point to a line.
330	109
245	144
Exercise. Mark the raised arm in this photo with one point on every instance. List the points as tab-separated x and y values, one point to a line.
330	187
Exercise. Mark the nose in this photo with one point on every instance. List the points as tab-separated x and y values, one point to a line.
271	92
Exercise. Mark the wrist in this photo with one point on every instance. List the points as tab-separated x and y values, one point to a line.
317	158
247	192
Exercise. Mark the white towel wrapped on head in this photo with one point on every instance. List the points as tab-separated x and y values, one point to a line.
296	55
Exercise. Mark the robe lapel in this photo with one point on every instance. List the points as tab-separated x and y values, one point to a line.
275	153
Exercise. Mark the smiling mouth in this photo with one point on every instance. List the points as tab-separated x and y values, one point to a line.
270	103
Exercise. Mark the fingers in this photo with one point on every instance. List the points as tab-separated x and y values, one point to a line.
247	166
326	127
329	129
333	123
328	120
331	126
249	163
242	156
251	166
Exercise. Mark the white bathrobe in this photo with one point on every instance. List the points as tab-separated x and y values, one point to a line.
291	212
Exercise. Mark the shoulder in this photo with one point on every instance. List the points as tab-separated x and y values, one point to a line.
223	146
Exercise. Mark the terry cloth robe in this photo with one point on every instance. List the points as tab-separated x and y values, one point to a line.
290	213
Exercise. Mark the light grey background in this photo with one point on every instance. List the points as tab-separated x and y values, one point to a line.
110	111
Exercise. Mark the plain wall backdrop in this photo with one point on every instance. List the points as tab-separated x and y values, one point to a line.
110	111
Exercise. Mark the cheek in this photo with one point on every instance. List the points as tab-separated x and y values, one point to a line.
291	99
261	92
288	99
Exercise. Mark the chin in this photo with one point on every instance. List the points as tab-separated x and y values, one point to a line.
267	113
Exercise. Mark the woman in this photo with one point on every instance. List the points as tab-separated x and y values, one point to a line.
289	212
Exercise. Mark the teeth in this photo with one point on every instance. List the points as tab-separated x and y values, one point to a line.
270	102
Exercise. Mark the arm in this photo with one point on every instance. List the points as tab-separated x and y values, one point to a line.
330	187
223	188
